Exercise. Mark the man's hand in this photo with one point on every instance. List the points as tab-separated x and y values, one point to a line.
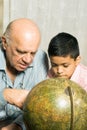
15	96
11	127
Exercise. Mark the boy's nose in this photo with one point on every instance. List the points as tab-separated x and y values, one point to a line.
59	70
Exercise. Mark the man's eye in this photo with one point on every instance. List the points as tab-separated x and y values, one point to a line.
20	52
33	53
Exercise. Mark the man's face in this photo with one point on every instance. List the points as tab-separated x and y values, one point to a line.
20	54
63	67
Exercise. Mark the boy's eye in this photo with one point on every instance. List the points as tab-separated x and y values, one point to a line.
65	65
54	65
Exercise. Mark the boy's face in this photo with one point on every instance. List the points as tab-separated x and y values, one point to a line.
63	67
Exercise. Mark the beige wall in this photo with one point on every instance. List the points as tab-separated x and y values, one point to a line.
1	16
52	16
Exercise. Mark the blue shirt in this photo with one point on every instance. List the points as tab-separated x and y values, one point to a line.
27	79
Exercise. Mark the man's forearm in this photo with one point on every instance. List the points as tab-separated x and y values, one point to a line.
11	127
15	96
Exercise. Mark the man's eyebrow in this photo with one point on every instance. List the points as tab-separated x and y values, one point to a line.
25	51
21	51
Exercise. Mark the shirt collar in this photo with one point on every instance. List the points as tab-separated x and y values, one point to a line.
2	59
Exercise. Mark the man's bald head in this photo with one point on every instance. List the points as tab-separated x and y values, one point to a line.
23	27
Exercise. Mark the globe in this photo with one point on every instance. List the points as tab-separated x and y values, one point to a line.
56	104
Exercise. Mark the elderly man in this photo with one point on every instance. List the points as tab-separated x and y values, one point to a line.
22	66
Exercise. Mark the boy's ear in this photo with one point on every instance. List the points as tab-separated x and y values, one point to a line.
78	59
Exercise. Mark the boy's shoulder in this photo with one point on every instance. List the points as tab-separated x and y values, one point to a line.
80	73
80	76
83	68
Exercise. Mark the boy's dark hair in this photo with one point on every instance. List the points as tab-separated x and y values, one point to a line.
64	44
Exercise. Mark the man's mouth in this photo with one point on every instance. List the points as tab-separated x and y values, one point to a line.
24	66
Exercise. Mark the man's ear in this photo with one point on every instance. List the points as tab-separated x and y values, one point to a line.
78	59
4	43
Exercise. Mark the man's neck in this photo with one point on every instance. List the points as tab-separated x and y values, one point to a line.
12	73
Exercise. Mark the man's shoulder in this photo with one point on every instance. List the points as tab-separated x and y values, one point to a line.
41	59
40	54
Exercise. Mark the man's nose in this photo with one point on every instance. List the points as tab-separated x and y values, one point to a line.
27	58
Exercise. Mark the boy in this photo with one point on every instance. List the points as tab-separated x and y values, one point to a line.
65	59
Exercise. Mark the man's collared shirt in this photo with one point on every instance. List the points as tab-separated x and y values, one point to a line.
34	74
